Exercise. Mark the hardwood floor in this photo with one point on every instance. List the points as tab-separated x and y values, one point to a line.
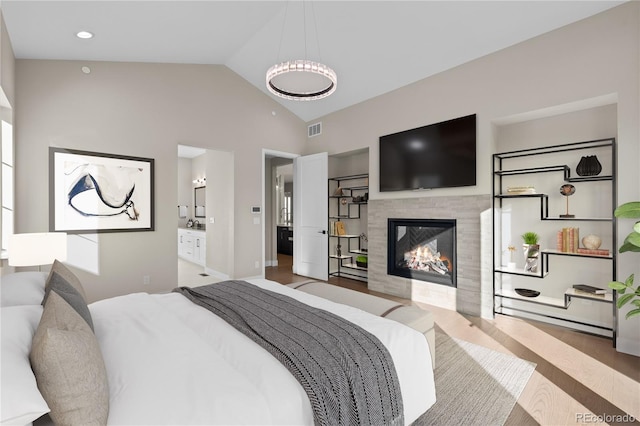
578	376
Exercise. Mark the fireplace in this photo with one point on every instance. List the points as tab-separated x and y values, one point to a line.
422	249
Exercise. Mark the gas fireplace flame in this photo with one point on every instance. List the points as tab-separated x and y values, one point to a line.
427	258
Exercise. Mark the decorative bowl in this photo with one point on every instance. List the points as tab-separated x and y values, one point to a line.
527	292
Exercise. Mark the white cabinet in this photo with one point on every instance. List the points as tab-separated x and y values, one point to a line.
192	246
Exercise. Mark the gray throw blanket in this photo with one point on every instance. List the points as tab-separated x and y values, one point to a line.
347	372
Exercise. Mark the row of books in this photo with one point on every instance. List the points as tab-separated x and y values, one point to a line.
568	241
337	228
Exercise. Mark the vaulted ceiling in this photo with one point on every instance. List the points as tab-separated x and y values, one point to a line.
374	46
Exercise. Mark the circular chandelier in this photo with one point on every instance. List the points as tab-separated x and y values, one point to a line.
301	80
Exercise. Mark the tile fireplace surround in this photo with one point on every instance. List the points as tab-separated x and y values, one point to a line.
473	214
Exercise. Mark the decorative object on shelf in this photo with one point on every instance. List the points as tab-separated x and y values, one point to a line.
338	192
527	292
631	243
364	240
591	242
338	250
362	261
589	289
340	230
511	264
343	201
531	250
589	166
519	190
567	190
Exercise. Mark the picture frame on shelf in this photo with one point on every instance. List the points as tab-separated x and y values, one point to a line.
91	192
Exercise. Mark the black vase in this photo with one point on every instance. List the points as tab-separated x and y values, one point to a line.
589	166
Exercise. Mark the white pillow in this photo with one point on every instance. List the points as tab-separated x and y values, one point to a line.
21	401
22	288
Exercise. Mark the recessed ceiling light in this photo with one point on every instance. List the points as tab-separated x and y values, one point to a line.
84	34
85	69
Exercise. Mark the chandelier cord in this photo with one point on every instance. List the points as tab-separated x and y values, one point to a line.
315	28
304	26
284	21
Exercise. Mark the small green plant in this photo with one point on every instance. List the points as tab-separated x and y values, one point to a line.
530	238
631	243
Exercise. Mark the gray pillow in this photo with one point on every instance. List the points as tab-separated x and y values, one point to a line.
62	270
69	368
59	284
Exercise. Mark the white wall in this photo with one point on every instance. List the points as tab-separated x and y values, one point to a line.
220	208
146	110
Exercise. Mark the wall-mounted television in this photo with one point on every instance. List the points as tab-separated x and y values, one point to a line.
440	155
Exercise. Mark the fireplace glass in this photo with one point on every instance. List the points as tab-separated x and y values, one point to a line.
423	249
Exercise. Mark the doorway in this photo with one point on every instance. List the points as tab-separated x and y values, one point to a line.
205	215
279	214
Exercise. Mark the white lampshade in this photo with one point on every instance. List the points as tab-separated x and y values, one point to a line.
37	249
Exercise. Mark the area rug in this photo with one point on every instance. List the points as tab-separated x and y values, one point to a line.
474	385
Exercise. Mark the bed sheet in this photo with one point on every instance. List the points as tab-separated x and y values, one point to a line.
170	361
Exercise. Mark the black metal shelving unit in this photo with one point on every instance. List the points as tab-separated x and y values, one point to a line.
346	209
527	305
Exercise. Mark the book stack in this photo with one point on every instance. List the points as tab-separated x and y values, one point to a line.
594	252
567	240
519	190
587	289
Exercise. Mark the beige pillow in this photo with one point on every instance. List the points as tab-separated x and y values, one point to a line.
66	359
67	275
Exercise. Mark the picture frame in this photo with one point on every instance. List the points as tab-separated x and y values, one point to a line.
91	192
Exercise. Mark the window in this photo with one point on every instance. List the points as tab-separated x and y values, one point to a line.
7	184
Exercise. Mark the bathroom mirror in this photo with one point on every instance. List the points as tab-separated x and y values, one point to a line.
199	196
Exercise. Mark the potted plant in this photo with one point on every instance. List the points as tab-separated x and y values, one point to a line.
362	261
631	243
531	250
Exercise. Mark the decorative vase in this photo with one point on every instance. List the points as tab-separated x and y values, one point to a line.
589	165
591	242
531	253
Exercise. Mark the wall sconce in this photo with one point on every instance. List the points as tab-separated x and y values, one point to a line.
200	181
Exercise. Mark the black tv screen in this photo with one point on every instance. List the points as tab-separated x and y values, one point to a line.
441	155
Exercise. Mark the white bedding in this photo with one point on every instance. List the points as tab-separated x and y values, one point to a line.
170	361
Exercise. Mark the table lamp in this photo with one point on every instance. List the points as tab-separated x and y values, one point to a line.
37	249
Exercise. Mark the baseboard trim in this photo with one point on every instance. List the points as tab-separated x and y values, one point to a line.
216	274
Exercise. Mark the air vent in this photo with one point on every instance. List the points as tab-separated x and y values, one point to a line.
314	130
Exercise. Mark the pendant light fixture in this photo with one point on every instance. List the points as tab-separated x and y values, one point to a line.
301	79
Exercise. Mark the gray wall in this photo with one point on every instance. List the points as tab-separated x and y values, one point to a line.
591	63
146	110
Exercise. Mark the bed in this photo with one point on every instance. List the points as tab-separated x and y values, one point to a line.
161	359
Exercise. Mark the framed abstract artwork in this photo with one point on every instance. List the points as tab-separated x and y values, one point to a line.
95	192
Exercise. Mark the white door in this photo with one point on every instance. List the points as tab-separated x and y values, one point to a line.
310	238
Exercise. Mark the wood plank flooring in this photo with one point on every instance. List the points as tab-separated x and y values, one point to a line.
578	376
